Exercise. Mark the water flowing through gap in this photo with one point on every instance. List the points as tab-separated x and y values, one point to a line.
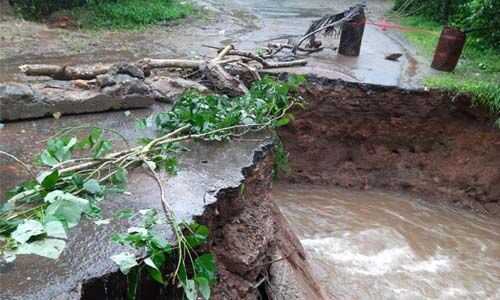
386	245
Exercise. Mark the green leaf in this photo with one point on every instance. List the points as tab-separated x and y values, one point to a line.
171	165
125	261
205	267
198	236
9	256
160	242
150	165
58	151
69	144
55	229
48	159
48	179
145	123
153	270
139	230
282	122
114	189
24	186
92	186
26	230
182	274
90	140
102	148
121	176
66	207
190	290
158	257
203	287
77	180
50	248
144	141
124	214
248	121
5	207
150	217
133	280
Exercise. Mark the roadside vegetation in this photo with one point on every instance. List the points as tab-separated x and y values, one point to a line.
106	14
478	71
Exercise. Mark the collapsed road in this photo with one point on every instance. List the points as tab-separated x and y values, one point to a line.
448	154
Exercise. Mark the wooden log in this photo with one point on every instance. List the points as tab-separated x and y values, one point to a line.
41	70
170	63
65	72
268	64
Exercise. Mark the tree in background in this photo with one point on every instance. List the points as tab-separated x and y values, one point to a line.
464	14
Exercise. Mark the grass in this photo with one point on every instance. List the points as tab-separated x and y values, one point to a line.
477	73
129	14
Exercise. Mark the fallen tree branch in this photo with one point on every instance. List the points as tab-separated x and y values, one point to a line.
170	63
65	72
213	69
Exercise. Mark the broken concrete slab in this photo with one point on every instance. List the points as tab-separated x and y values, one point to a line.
209	179
19	101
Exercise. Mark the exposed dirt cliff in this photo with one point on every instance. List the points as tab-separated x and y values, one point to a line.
368	136
258	256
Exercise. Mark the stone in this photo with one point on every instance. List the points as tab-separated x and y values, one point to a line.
59	84
128	87
127	69
19	101
167	89
112	79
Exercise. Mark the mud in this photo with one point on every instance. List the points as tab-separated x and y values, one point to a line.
252	240
426	142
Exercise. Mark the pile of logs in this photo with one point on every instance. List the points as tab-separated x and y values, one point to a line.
213	70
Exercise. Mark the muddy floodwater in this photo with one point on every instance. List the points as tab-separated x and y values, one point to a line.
379	245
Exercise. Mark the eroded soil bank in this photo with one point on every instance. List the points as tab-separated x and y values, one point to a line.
367	136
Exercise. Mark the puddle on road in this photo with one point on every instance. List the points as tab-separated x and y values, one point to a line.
378	245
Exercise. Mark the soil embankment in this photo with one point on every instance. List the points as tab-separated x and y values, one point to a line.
367	136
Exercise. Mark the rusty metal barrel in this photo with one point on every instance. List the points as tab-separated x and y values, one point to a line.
448	50
352	35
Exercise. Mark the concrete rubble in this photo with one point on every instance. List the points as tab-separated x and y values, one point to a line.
125	86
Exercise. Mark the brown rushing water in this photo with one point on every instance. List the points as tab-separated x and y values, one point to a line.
379	245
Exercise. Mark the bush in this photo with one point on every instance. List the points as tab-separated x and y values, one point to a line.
38	9
129	14
464	14
106	14
441	11
481	14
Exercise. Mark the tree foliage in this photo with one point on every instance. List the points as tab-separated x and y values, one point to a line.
464	14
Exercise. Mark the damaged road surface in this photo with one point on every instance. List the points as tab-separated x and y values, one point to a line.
247	230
